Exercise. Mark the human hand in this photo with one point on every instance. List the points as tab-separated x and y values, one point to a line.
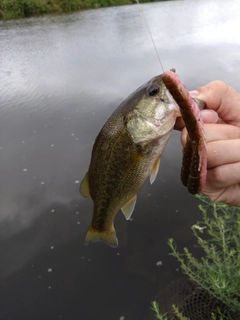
222	127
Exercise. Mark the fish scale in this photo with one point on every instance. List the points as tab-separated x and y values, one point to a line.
125	153
128	149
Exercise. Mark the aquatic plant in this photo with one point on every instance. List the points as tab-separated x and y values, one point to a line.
159	316
218	271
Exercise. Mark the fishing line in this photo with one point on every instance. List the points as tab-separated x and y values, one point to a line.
145	21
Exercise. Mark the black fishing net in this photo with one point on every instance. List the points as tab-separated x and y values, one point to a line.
192	301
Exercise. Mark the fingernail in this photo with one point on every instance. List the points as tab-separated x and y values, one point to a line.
194	93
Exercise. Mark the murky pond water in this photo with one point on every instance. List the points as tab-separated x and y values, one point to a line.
60	79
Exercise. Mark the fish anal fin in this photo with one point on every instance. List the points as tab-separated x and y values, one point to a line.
128	208
154	171
84	187
109	237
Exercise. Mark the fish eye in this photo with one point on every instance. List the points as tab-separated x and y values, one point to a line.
153	90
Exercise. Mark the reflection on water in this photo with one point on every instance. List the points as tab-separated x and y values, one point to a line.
61	77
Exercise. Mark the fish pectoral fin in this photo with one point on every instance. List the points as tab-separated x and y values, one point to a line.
84	187
128	208
109	237
154	171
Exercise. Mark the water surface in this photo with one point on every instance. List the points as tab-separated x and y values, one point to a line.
60	79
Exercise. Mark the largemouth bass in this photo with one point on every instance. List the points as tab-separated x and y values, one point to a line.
128	149
126	152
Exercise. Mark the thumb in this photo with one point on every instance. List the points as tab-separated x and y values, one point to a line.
221	98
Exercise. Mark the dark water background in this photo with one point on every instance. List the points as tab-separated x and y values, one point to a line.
60	79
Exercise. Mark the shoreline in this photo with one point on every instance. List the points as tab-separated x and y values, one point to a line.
15	9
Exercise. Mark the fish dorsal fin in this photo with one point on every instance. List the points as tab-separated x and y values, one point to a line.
154	171
128	208
84	187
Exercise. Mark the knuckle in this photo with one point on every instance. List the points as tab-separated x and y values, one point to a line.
219	84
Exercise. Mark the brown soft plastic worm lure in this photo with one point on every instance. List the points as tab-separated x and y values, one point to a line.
194	163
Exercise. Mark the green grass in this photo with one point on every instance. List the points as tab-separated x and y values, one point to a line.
13	9
218	271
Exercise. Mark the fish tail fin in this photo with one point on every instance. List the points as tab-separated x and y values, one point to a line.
109	237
